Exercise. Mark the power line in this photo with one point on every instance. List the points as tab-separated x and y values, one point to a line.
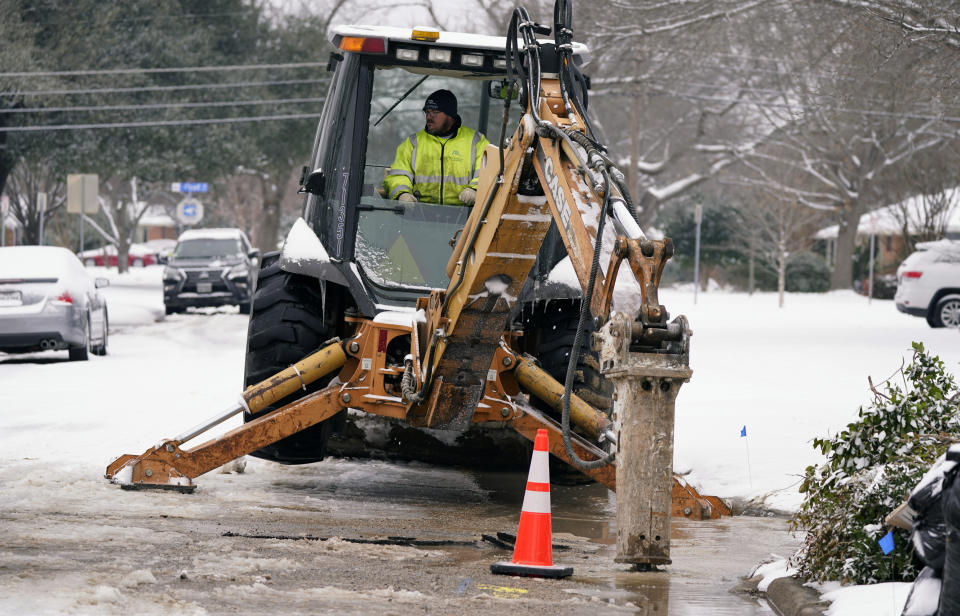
199	86
178	69
868	112
156	123
275	101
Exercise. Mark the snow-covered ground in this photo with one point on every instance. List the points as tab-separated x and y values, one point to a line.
788	375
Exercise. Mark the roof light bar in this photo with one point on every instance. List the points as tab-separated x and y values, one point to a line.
499	63
424	33
363	44
469	59
407	54
439	55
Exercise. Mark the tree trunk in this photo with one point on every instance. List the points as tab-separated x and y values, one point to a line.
846	243
781	271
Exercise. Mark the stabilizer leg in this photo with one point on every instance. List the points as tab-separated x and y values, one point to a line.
168	466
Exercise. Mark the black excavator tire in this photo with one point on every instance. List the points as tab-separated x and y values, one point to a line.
286	325
554	325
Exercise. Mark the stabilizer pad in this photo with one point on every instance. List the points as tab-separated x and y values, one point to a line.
508	568
158	486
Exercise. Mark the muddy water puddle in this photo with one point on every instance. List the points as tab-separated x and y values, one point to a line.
374	498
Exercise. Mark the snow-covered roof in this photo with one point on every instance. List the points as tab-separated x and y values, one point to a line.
11	222
156	216
888	220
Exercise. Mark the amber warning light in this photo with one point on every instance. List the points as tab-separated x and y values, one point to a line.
364	44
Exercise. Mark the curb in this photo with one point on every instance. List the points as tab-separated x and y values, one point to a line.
789	597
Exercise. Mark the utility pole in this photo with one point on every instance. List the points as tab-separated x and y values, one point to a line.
698	215
42	206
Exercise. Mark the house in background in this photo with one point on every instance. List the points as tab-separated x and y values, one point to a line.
11	231
886	224
156	224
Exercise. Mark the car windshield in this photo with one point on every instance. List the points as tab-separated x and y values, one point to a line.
207	247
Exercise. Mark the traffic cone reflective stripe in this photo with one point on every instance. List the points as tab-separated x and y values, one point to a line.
533	551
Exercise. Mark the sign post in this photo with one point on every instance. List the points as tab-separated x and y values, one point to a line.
4	208
82	191
42	206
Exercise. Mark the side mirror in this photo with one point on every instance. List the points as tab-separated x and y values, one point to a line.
254	255
99	283
314	183
502	90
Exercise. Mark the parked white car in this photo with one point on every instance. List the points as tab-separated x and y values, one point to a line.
49	302
928	283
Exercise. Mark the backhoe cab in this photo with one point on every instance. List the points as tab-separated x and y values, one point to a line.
448	316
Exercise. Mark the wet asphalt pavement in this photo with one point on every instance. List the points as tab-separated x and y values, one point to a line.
304	539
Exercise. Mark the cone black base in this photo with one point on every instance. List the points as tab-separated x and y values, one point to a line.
508	568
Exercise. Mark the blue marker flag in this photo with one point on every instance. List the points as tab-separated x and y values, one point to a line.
743	431
886	543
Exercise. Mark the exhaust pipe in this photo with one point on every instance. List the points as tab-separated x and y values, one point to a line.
48	344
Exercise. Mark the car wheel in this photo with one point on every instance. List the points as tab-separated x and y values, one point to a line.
947	312
82	353
101	349
170	309
285	326
245	308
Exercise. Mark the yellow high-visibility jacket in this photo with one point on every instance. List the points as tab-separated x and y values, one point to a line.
438	168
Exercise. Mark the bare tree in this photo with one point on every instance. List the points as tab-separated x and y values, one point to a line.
775	228
938	21
24	186
122	204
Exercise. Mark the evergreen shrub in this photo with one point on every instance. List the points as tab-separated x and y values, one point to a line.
870	468
807	272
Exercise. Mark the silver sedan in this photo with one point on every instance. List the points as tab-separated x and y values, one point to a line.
49	302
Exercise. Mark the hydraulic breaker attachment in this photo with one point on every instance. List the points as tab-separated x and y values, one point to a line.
168	466
646	381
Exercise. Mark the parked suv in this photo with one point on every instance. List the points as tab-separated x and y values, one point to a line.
928	283
210	267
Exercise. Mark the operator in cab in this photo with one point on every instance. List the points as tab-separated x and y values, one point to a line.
441	163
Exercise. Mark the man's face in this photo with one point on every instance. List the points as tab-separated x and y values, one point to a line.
438	123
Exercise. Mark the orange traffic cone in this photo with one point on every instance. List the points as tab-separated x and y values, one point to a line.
533	552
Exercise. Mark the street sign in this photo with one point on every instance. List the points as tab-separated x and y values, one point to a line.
190	187
189	211
82	193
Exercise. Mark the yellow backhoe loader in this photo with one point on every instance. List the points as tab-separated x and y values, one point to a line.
449	316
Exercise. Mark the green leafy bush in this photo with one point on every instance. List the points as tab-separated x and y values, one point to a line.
807	273
870	468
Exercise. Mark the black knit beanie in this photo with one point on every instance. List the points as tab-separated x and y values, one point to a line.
442	100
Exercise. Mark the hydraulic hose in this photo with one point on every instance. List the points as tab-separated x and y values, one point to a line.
578	341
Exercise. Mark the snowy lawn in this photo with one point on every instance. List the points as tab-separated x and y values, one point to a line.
788	375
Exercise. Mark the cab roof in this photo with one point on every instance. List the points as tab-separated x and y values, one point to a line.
460	40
